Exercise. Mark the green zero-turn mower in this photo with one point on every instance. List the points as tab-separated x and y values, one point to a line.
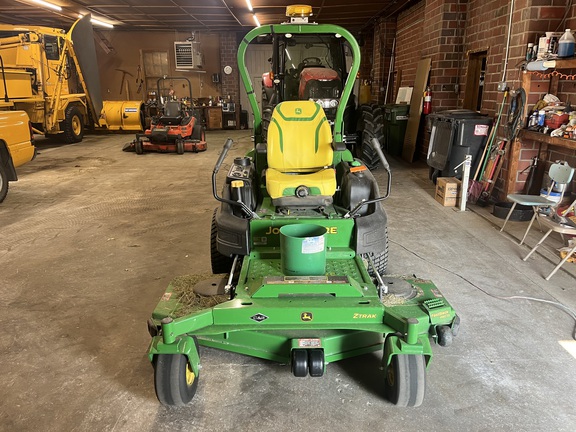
302	234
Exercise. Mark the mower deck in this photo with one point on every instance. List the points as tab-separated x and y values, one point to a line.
141	146
272	314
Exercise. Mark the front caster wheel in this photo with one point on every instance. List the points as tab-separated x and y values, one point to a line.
405	382
316	362
445	336
174	380
299	363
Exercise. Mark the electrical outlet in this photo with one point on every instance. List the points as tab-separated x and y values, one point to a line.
502	86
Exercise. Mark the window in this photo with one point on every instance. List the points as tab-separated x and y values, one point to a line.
51	47
155	67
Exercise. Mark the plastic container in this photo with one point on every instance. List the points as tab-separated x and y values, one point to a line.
454	135
541	117
566	44
303	250
395	123
554	121
554	196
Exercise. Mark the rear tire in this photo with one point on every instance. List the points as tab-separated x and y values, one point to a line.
139	147
73	125
380	259
405	382
220	263
266	118
3	183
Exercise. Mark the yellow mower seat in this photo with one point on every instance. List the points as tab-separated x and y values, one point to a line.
300	155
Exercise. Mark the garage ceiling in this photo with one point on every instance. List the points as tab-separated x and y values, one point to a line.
187	15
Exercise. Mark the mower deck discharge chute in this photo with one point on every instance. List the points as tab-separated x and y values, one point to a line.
176	128
302	234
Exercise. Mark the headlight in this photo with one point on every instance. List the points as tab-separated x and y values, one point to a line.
327	103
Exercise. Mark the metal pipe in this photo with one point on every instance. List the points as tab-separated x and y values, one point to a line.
508	40
390	70
382	287
4	81
229	286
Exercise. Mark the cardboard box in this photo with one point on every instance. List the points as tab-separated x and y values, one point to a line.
448	190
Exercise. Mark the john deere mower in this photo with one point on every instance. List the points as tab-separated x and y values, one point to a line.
308	66
176	127
302	234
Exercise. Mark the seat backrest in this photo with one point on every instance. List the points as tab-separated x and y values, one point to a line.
561	173
172	109
299	138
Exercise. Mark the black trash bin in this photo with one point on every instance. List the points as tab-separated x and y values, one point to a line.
455	134
395	122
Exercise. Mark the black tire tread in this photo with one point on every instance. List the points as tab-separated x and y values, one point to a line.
3	183
220	263
409	383
170	380
266	118
379	259
69	136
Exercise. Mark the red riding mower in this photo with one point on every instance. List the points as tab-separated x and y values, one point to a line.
176	128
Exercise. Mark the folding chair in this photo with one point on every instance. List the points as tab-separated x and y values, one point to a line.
560	174
558	224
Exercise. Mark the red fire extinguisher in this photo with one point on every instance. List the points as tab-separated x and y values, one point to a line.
427	107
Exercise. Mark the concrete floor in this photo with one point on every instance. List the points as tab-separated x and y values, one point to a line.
90	237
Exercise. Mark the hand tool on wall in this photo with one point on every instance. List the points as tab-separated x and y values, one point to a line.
139	80
124	82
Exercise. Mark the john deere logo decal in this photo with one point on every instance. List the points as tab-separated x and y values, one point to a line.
306	316
259	317
298	110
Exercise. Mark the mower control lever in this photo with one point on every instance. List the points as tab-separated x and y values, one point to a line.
386	166
222	156
376	145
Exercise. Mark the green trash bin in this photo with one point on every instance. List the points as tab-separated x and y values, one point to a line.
395	122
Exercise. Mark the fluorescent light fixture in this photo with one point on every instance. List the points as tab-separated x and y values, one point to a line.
98	22
288	54
256	20
48	5
249	4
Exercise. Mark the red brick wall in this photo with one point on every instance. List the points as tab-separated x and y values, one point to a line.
446	30
409	43
384	33
228	50
366	39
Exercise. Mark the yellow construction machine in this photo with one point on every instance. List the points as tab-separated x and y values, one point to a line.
53	76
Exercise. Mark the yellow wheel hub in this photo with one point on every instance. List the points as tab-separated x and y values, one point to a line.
190	376
391	377
76	125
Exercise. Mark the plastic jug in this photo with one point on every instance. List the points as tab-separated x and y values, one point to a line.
566	44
